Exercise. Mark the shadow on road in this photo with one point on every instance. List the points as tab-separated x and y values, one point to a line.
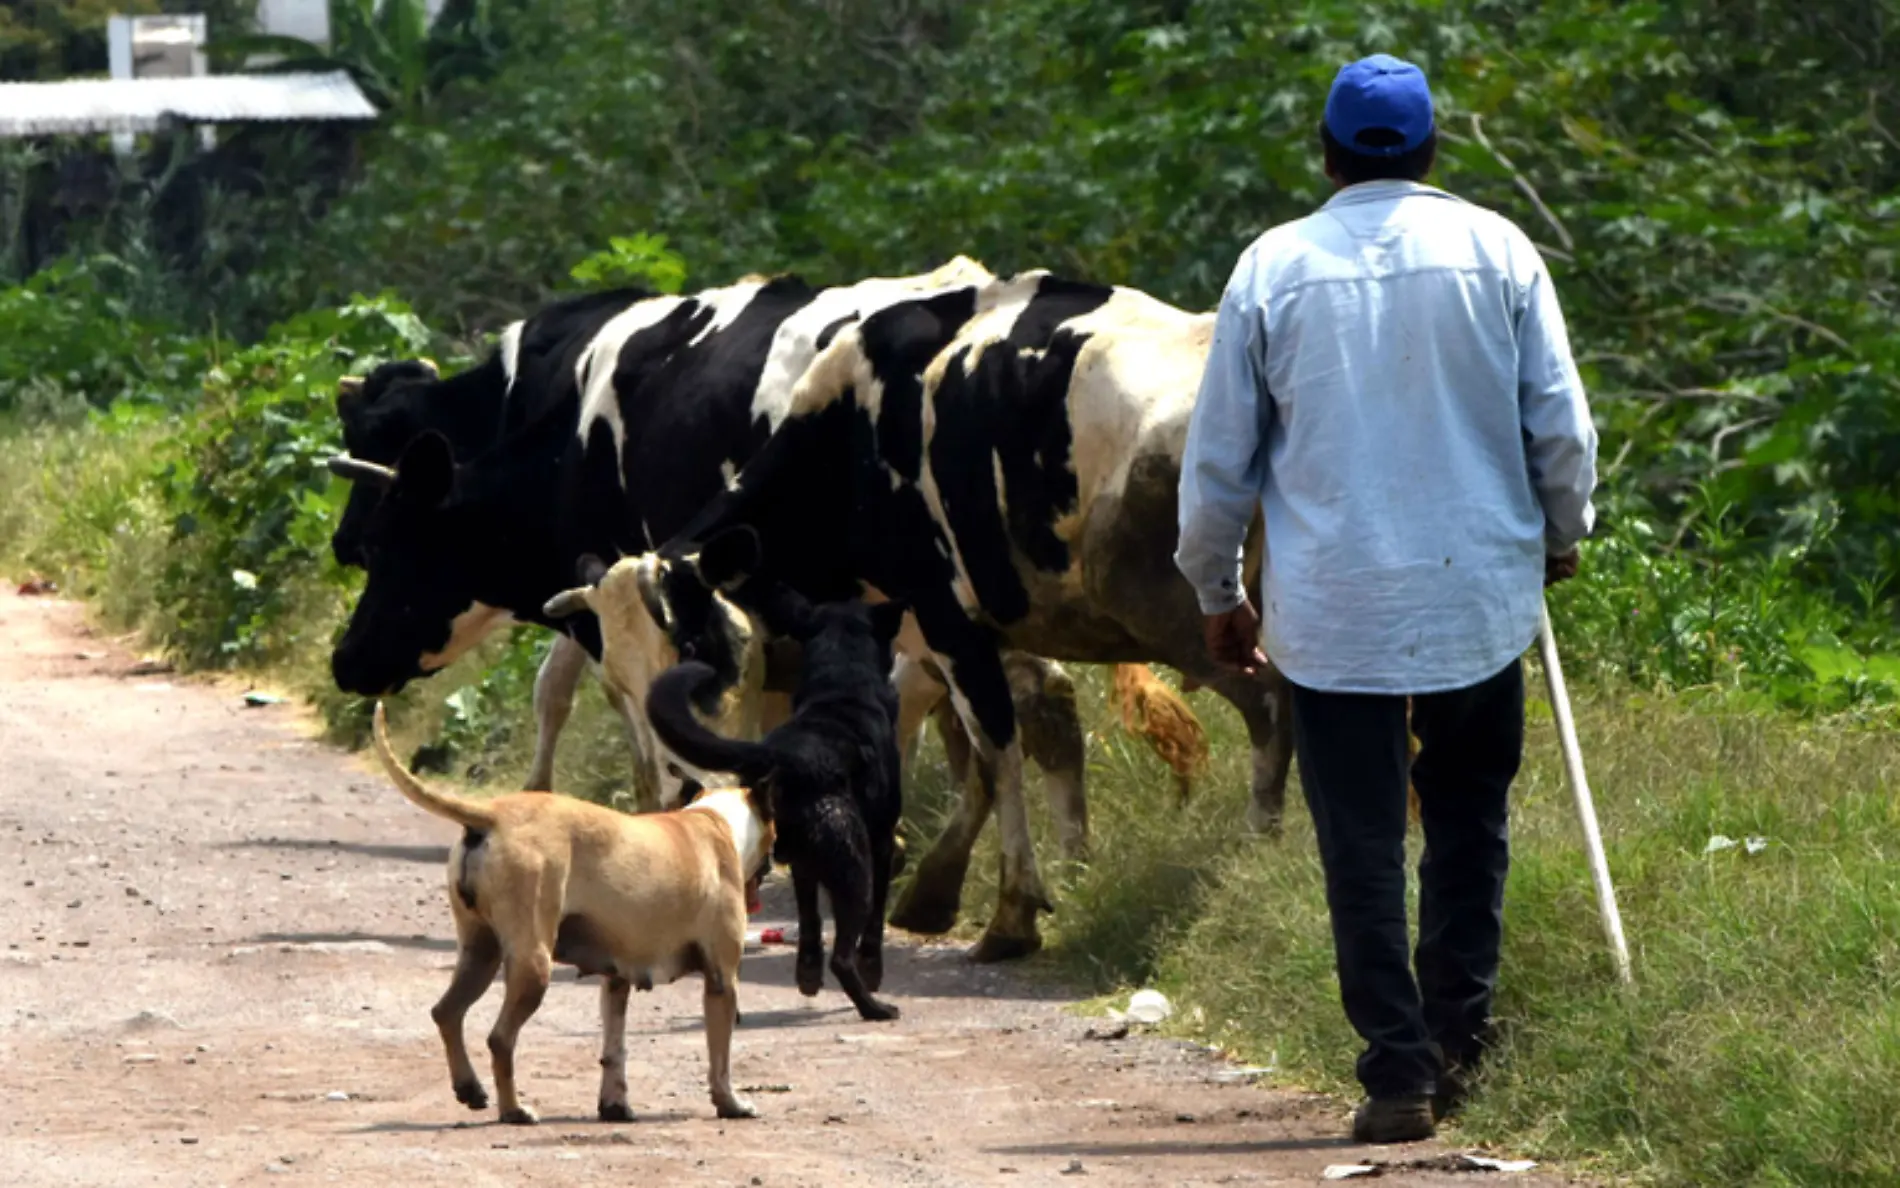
431	944
1175	1147
427	854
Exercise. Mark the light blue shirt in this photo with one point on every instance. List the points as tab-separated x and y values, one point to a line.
1391	383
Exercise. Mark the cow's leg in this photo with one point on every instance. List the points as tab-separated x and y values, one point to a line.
1019	896
1265	703
554	688
969	656
929	904
1052	739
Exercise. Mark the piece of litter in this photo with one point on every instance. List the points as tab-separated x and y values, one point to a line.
256	699
36	585
1486	1163
772	936
1118	1031
142	1058
1755	845
1718	843
1149	1006
336	1095
765	1088
1075	1168
149	667
1348	1171
1243	1076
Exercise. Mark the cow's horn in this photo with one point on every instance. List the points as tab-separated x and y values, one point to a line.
350	387
566	603
430	364
356	470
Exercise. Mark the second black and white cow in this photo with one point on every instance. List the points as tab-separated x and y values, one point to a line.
1004	457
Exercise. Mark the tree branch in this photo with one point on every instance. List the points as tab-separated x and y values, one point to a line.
1523	184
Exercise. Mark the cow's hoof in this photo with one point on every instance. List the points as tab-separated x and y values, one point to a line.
615	1111
925	914
871	969
995	947
519	1116
737	1107
472	1095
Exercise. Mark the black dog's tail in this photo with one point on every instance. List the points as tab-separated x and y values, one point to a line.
669	708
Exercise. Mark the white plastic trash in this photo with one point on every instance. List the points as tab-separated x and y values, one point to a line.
1149	1006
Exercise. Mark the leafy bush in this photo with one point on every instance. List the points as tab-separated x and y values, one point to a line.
251	505
71	336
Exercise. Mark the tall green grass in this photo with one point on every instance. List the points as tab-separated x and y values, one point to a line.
1762	1043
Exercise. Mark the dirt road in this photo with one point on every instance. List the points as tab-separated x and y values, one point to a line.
219	942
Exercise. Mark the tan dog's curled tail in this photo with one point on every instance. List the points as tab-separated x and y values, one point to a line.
1151	709
464	812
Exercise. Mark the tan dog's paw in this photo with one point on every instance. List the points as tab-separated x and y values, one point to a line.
519	1116
472	1095
738	1107
615	1111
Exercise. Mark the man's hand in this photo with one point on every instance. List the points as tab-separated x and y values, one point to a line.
1560	568
1233	639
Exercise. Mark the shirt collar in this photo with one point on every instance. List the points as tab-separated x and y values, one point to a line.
1385	191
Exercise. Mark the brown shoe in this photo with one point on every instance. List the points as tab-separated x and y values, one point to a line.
1394	1120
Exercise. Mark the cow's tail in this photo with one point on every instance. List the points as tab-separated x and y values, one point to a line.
670	709
464	812
1160	715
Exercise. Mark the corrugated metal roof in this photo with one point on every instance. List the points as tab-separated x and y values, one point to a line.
146	104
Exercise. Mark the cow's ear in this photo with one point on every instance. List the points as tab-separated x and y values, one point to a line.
730	557
590	569
427	470
887	619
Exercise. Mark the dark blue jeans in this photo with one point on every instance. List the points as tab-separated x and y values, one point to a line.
1352	755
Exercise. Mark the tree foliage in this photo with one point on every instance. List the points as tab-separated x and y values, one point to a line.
1713	184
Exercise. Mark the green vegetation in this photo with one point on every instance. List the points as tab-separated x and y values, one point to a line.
1715	186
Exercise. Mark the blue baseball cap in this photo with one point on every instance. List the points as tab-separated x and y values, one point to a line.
1382	95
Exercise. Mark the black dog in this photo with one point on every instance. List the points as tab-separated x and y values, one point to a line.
832	771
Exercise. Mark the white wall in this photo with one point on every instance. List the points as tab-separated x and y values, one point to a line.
308	19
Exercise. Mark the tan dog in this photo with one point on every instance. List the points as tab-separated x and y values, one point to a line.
539	878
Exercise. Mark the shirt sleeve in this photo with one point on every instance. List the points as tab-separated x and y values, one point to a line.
1224	465
1559	437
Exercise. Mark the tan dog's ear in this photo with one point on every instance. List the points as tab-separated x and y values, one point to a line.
568	603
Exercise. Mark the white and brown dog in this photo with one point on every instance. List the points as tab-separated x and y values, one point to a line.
538	878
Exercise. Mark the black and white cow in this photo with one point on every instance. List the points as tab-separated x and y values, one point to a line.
1004	457
637	419
531	366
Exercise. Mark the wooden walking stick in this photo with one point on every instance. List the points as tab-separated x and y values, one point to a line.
1586	808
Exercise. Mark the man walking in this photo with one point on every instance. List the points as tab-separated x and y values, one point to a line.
1391	382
